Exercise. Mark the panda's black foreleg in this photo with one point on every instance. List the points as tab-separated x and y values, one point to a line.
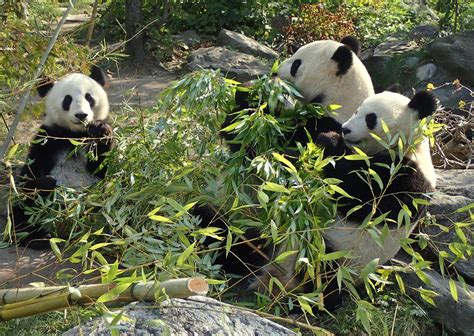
103	142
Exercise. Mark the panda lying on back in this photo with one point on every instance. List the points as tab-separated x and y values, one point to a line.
414	178
76	109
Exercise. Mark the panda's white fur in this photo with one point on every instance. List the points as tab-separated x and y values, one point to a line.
319	77
416	178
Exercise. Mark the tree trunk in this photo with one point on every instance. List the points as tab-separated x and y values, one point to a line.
133	23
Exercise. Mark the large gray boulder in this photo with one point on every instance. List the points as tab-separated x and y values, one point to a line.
234	64
455	54
228	38
455	191
196	315
455	317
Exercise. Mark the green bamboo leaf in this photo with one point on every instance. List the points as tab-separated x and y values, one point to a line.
304	305
376	177
114	293
283	256
262	197
228	243
355	157
460	234
400	282
339	190
75	142
210	232
188	206
160	219
333	107
369	268
182	258
453	289
233	126
465	208
270	186
99	245
334	255
273	230
285	161
11	152
55	248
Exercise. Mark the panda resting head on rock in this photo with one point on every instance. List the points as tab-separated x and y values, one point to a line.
413	177
77	108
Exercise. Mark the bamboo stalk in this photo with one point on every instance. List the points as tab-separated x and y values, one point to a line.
24	302
90	30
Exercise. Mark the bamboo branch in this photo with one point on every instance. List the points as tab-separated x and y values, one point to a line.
37	73
24	302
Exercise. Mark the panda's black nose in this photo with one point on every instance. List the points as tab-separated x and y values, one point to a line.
81	116
345	130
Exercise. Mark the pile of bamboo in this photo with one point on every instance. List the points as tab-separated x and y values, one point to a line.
22	302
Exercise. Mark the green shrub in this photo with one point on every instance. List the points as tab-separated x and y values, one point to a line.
316	22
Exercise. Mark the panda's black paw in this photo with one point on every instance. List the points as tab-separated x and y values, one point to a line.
331	142
99	129
43	183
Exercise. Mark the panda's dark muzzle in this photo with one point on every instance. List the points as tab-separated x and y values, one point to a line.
81	116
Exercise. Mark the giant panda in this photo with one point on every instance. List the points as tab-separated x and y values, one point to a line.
414	179
328	72
325	72
76	109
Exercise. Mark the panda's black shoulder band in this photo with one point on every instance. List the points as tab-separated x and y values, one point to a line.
343	57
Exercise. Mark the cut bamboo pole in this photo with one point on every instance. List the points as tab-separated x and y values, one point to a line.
24	302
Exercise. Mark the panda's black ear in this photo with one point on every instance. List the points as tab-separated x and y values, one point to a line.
44	86
353	43
395	87
343	58
424	103
98	75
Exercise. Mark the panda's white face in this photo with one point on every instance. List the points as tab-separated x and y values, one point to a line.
74	101
390	107
311	68
329	72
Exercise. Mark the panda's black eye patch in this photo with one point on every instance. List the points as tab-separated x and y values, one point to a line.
294	67
90	100
67	102
371	120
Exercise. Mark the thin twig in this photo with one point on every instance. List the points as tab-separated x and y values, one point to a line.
38	72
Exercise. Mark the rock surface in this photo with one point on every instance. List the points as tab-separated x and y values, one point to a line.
454	53
457	317
189	37
233	64
245	44
196	315
455	190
